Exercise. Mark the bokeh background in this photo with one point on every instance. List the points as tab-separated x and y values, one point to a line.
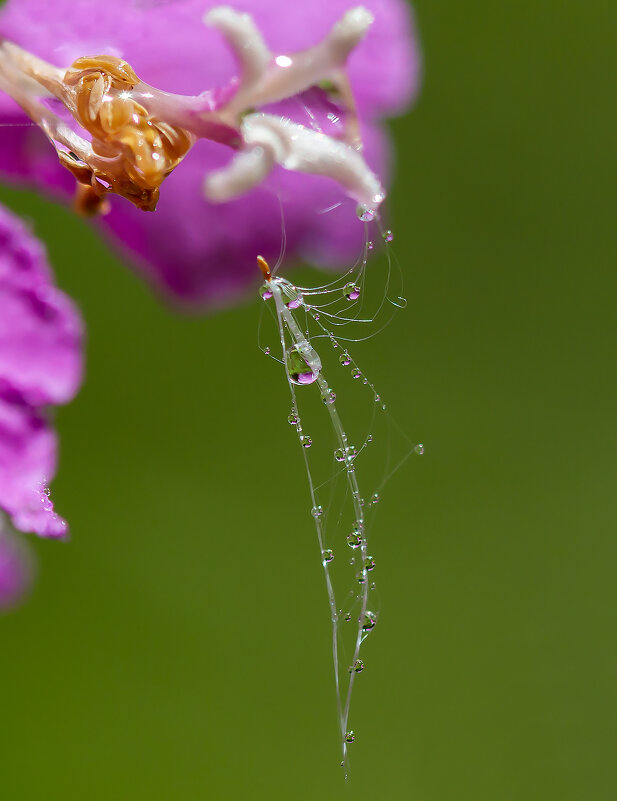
178	647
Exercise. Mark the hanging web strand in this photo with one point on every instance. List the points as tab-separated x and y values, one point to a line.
351	611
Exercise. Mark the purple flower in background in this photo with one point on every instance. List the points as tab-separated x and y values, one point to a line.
40	366
196	250
16	569
276	113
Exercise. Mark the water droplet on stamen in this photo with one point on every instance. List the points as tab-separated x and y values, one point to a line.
351	291
348	617
296	299
375	498
305	441
364	214
370	245
355	373
339	455
419	449
357	667
329	397
265	292
293	419
349	737
369	563
388	236
345	359
300	371
267	351
328	556
317	511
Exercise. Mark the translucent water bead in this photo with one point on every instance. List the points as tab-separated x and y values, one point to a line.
300	371
351	291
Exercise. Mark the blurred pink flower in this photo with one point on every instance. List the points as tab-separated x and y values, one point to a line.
196	251
40	366
16	569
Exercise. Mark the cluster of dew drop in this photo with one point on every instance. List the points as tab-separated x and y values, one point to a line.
303	367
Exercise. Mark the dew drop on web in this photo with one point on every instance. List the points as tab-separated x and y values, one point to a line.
351	291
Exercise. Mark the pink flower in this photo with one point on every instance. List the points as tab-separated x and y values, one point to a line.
196	250
40	366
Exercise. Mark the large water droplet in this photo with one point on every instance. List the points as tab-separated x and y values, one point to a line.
369	563
293	419
265	291
329	396
306	441
339	455
300	371
351	291
349	737
328	556
356	373
345	359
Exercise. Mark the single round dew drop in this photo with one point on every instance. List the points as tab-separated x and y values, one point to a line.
419	449
357	667
293	419
265	292
317	511
306	441
300	371
364	214
349	737
370	619
339	455
345	359
351	291
354	540
356	373
328	556
388	236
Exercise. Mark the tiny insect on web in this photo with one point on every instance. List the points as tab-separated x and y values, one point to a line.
308	317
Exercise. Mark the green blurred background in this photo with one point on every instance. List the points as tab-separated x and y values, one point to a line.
178	648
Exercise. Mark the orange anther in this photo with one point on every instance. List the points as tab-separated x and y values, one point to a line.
264	267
